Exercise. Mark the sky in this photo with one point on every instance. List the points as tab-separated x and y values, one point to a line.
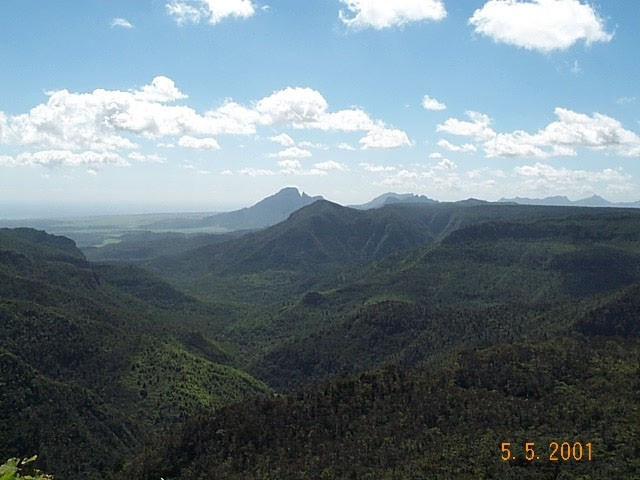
206	105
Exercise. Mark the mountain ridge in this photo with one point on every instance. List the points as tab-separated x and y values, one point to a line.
268	211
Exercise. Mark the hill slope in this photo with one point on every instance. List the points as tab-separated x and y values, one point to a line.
266	212
97	358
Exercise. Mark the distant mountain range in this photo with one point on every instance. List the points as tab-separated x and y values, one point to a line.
561	201
266	212
391	198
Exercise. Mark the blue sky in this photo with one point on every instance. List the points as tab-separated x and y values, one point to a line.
169	105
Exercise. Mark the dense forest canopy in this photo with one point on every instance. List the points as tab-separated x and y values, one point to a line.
408	341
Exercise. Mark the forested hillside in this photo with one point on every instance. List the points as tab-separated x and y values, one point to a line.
408	341
95	359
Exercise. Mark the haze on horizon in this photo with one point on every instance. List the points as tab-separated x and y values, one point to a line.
195	105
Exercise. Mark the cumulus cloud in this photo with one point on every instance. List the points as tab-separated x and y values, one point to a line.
351	120
429	103
121	23
466	148
379	14
184	13
152	158
346	146
543	25
256	172
3	126
330	165
440	176
198	143
478	128
290	166
305	108
114	121
53	158
544	179
317	146
283	139
292	152
108	119
7	161
383	137
161	90
572	130
445	164
368	167
485	172
295	106
193	11
294	167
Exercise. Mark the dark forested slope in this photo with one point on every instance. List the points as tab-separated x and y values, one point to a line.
96	358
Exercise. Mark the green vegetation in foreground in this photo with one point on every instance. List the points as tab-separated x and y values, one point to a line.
11	469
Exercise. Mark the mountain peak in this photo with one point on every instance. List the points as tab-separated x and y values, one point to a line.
392	198
268	211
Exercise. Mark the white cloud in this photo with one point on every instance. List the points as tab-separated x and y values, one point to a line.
193	11
317	146
290	166
381	14
292	152
383	137
346	146
295	106
543	25
315	172
52	158
484	172
367	167
152	158
429	103
435	155
107	119
283	139
92	171
161	90
572	130
226	172
564	175
121	22
3	126
184	13
466	148
294	167
330	165
7	161
187	141
256	172
305	108
115	121
477	128
351	120
445	164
